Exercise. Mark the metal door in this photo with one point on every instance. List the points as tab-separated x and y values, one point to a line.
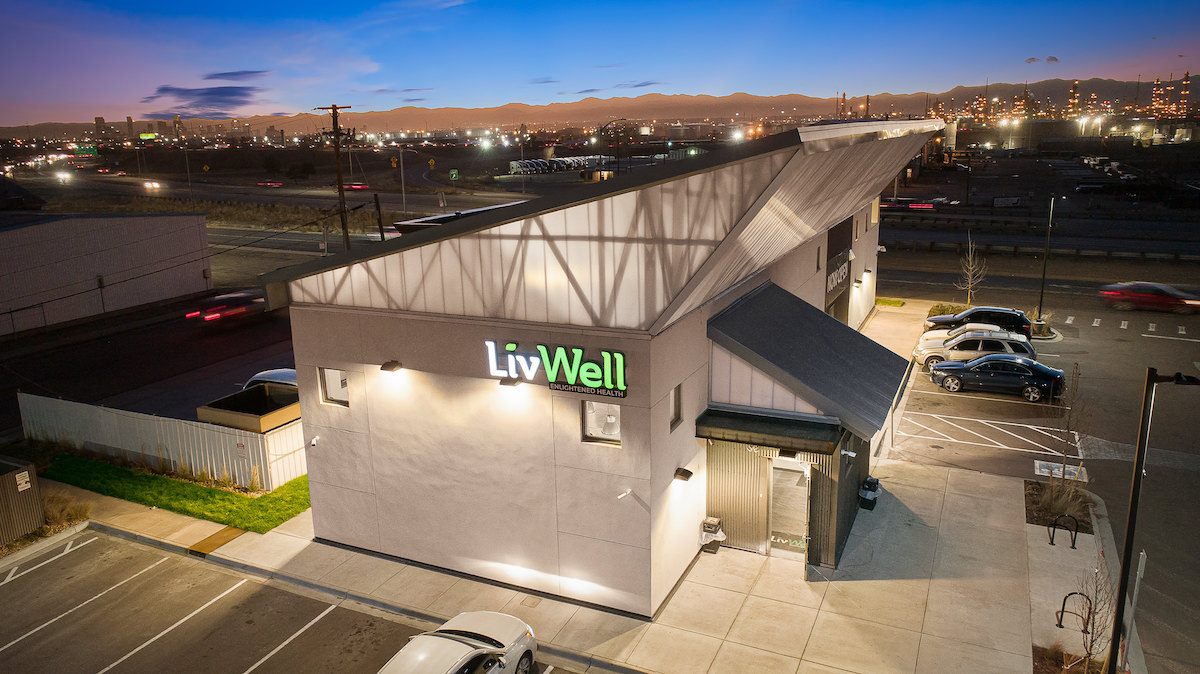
739	485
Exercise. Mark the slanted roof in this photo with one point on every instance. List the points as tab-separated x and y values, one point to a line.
833	366
638	252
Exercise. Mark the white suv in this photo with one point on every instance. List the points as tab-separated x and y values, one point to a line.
971	345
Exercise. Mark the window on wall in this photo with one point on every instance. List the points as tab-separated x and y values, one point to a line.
818	258
601	422
676	405
334	389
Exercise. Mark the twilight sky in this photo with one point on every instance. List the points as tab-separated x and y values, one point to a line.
70	61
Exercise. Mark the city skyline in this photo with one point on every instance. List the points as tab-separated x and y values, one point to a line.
153	61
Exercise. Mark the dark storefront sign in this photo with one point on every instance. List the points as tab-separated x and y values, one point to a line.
837	270
837	276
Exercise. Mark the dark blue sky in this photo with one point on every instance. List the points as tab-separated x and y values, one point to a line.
71	61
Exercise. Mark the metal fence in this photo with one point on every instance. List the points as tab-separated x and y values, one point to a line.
173	444
21	508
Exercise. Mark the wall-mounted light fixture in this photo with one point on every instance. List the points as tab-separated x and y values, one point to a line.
867	271
611	425
623	494
509	381
683	474
391	366
857	283
883	249
313	442
846	452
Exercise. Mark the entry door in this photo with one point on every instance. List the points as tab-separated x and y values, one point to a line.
739	487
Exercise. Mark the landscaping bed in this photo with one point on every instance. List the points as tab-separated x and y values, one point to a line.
1044	501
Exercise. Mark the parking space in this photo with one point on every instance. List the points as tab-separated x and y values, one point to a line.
96	603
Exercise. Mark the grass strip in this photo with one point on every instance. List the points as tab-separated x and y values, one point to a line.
215	505
888	302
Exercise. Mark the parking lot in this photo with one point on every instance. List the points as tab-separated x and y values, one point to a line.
96	603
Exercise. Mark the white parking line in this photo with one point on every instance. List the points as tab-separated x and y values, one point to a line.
179	622
1124	324
66	550
1095	322
289	639
1182	331
1070	320
79	606
1152	327
1016	401
945	420
980	444
1181	339
1036	444
944	436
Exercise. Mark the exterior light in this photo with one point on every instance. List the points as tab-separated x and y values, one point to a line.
683	474
858	283
866	271
611	425
391	366
623	494
509	381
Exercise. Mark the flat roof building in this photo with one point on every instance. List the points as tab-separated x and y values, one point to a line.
555	394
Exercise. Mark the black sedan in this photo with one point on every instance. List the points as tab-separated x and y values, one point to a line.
1013	320
1001	373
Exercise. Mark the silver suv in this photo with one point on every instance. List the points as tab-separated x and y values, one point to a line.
971	345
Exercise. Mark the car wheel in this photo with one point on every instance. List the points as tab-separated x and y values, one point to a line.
1031	393
1122	305
952	384
525	664
933	360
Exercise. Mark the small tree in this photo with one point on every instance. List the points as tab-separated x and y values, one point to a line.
974	271
1095	618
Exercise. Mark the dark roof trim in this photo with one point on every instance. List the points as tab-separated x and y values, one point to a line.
831	365
808	435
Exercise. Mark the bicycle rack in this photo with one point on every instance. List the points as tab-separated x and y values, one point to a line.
1087	620
1074	531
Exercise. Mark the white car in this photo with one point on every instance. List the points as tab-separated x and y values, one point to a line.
477	642
971	345
950	333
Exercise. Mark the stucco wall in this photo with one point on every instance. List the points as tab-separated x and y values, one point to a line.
440	464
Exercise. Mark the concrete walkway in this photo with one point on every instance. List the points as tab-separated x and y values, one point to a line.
944	575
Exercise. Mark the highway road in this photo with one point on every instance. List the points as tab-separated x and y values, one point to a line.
1113	349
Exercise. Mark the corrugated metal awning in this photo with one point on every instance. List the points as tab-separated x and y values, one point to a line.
781	432
831	365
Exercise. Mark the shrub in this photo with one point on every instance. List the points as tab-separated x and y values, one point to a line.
944	308
62	509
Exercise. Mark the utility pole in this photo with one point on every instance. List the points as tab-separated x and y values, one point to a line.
379	214
337	160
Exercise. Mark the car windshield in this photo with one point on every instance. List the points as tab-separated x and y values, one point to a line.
475	636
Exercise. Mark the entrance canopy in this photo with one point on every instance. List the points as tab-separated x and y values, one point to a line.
824	361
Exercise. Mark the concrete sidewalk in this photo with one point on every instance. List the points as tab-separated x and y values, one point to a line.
944	575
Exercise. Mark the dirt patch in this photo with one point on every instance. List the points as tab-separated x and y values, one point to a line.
1054	661
1045	501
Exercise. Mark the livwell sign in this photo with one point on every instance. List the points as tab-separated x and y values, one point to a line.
565	367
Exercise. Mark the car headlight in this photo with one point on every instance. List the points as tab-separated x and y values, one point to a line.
1194	303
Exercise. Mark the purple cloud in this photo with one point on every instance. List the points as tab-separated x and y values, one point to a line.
635	85
212	102
237	75
543	80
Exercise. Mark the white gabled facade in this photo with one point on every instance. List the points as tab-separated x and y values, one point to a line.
439	464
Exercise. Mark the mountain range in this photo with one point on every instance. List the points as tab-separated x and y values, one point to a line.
660	107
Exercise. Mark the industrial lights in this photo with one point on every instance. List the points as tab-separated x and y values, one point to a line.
391	366
683	474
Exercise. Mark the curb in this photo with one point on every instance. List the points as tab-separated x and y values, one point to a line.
49	542
587	662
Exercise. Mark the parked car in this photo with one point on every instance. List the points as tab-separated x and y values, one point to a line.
223	308
971	345
1001	373
285	375
1013	320
476	642
1156	296
945	333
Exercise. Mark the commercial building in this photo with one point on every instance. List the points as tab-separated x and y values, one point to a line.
555	394
60	267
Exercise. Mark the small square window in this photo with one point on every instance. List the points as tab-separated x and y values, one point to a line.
334	389
601	422
676	405
818	258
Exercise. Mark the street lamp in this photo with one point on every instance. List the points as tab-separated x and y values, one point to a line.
1045	256
1153	378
